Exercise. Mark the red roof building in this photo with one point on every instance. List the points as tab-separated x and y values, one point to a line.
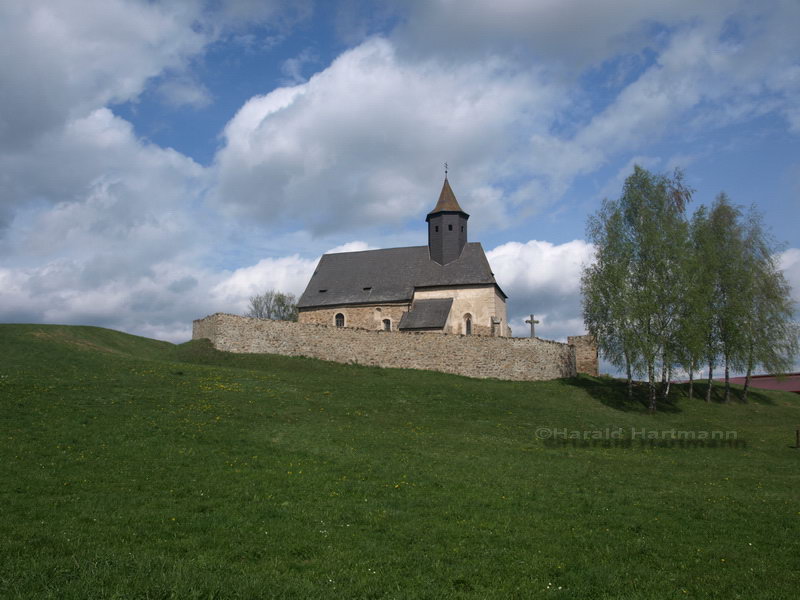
788	383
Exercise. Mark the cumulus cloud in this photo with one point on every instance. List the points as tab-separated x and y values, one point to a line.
288	274
544	279
66	62
116	244
67	58
107	228
159	301
98	151
361	143
62	291
356	246
789	263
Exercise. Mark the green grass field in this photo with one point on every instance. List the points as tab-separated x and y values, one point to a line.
133	468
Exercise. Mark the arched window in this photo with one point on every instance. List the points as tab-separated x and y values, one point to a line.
467	324
387	325
339	320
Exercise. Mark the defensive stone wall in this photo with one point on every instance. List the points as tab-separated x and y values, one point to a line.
524	359
586	359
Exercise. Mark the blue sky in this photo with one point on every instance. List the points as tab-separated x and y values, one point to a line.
165	160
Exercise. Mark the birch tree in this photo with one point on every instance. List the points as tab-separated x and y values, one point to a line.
732	299
606	291
630	291
770	337
696	338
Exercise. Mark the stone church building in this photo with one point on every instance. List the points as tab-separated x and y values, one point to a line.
446	286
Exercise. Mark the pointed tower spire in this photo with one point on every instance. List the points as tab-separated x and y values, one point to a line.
447	227
447	199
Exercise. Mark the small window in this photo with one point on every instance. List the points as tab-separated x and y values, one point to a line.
462	229
436	229
387	325
467	324
339	320
449	228
368	288
322	291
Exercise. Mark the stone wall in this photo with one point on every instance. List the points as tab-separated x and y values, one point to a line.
586	359
524	359
481	303
362	317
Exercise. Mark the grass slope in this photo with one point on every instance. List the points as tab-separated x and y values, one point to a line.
137	469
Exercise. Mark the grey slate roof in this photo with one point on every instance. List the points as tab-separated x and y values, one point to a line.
427	314
390	275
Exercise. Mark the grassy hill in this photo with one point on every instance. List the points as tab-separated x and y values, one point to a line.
132	468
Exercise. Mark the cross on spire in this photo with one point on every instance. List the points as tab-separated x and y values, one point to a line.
533	323
445	170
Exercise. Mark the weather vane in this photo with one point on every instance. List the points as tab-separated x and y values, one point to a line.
445	170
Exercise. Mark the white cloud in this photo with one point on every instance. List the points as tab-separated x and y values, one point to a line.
789	263
544	279
67	58
536	266
356	246
361	143
107	235
288	274
103	184
59	291
159	301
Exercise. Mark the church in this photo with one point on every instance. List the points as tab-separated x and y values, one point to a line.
444	287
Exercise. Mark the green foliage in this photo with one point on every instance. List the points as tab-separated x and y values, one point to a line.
273	305
137	469
632	293
696	339
770	337
665	292
607	289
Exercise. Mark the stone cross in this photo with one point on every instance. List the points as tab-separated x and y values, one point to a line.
533	323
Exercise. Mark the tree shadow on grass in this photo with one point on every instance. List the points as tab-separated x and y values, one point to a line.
754	395
614	394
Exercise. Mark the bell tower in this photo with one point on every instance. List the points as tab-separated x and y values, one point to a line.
447	227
